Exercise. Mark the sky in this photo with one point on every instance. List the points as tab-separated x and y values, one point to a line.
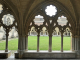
50	10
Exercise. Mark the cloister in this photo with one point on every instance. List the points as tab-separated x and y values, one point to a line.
55	17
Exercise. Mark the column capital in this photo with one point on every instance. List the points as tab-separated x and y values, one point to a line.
77	36
38	35
50	35
73	36
7	34
20	35
61	34
26	35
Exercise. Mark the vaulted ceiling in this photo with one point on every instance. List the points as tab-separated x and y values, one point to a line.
28	5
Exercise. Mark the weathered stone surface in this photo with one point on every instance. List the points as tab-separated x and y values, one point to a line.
47	55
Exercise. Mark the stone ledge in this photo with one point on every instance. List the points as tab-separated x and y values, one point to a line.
36	55
5	55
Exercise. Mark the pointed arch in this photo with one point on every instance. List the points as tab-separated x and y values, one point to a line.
68	16
42	6
9	6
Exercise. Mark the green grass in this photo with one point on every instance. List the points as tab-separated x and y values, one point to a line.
44	43
12	44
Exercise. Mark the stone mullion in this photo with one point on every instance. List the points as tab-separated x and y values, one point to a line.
71	41
61	42
6	48
38	37
50	43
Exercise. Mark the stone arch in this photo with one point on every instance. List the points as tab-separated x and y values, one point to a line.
41	5
69	18
7	8
33	17
38	13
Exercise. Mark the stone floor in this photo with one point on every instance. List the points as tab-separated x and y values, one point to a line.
37	59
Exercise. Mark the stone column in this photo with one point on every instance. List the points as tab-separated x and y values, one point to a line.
18	44
50	43
73	43
6	48
26	43
61	42
77	46
21	46
77	43
38	36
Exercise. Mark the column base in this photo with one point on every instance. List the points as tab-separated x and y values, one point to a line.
73	50
4	55
37	50
21	52
6	50
50	50
26	49
78	54
61	50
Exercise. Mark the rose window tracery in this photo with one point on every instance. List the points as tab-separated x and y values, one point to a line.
51	10
62	20
8	19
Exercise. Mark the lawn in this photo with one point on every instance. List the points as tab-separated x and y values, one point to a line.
44	43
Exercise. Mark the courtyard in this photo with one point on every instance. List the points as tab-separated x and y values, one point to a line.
44	43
